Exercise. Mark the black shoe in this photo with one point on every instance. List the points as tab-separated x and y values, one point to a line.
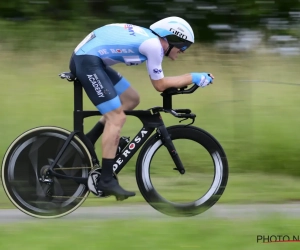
113	188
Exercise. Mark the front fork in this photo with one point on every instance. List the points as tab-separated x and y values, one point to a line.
167	142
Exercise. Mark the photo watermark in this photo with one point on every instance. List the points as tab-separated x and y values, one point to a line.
277	238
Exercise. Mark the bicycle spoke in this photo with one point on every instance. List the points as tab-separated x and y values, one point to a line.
67	168
33	156
25	173
68	197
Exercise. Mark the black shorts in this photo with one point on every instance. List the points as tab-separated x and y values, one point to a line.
102	84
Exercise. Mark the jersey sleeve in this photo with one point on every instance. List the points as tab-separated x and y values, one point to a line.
153	50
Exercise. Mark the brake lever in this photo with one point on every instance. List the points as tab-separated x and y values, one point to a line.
183	120
193	118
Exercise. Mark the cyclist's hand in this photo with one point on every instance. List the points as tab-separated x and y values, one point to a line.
202	79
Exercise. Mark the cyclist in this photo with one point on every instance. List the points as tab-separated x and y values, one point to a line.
111	93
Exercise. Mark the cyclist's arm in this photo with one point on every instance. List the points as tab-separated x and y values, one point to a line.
172	81
152	49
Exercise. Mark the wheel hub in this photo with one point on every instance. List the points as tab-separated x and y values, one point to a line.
45	175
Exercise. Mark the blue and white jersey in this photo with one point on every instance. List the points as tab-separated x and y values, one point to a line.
125	43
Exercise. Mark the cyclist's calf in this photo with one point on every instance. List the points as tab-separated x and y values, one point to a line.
114	121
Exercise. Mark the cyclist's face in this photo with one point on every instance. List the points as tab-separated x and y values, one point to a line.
174	53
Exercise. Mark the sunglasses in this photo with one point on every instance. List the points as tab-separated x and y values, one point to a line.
183	48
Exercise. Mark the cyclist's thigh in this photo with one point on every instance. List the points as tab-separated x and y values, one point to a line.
120	83
96	83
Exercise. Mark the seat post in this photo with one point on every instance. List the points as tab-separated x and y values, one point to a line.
78	106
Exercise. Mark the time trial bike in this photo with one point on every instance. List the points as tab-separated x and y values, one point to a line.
48	171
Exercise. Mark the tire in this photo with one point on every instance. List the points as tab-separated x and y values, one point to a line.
206	200
22	166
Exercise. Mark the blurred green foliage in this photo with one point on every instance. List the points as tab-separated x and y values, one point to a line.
256	122
204	232
201	14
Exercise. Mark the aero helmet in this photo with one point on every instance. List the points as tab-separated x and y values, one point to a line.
176	31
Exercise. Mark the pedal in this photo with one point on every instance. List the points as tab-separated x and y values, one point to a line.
93	179
92	182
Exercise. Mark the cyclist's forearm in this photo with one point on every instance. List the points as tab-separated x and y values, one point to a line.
177	81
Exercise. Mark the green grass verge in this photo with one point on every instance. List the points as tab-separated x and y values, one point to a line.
241	189
149	234
256	123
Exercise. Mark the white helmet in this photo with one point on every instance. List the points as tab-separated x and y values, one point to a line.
176	30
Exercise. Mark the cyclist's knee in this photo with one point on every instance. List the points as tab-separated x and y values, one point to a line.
133	102
115	118
136	100
130	98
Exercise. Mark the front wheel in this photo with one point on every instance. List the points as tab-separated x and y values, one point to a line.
26	162
192	193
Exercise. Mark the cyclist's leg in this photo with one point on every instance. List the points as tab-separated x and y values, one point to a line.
130	99
97	130
128	96
100	90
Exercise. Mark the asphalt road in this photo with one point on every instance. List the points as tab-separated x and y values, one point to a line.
147	212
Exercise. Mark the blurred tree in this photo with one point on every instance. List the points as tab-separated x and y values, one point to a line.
11	9
200	13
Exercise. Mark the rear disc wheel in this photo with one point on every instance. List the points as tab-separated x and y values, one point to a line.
24	173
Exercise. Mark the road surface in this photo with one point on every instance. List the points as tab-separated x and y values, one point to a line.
147	212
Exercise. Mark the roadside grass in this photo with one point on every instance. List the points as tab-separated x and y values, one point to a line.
255	122
241	189
187	233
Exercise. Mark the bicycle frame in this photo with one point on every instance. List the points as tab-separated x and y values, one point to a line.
151	120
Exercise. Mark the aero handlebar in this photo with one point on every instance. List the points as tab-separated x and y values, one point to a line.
176	91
